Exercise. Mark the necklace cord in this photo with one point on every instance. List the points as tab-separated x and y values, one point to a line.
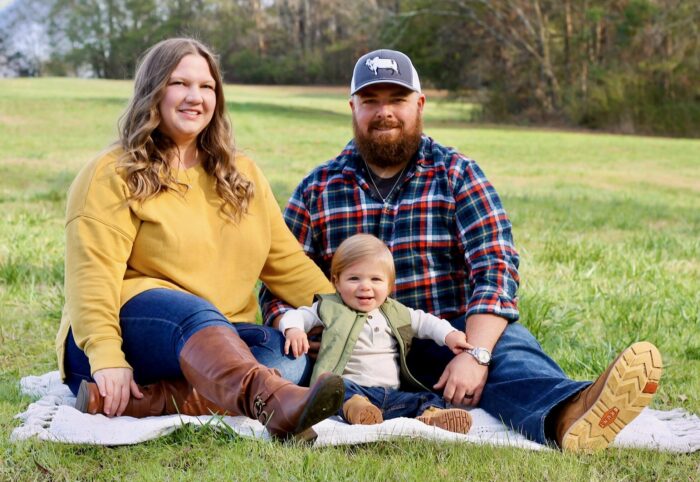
396	183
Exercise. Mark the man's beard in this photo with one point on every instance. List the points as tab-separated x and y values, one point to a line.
387	153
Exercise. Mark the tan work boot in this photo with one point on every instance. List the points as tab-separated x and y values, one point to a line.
591	419
221	367
358	410
167	397
452	419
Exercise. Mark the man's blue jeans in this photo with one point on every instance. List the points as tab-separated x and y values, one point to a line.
395	403
523	385
157	323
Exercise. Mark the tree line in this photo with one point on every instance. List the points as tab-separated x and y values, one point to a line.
623	65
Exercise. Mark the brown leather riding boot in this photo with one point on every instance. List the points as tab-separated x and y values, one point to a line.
222	368
163	398
591	419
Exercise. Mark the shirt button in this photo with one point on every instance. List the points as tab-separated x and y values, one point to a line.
369	317
376	329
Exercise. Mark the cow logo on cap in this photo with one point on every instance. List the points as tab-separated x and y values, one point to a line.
376	63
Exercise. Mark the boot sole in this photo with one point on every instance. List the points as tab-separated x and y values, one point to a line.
629	387
452	419
325	401
83	398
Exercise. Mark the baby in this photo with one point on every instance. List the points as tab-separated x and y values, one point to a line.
366	339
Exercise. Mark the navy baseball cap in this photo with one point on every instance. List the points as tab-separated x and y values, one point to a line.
384	67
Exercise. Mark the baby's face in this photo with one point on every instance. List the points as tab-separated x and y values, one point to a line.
363	286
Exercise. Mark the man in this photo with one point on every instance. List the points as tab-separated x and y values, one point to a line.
452	244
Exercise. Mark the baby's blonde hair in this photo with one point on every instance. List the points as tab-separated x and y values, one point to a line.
358	248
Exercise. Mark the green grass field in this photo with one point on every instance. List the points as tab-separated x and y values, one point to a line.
608	228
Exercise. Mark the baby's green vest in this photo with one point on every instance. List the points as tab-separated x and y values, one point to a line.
343	325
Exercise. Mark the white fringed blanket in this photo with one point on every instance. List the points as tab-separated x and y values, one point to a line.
53	418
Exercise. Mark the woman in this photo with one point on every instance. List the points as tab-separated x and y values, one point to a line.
166	236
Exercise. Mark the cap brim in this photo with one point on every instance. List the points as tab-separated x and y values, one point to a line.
384	81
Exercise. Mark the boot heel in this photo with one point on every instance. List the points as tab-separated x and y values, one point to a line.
83	398
307	436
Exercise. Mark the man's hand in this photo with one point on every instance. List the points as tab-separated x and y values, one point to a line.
116	385
297	340
463	380
457	342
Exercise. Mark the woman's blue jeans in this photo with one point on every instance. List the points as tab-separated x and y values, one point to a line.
157	323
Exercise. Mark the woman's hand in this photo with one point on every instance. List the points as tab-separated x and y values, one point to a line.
457	342
297	340
116	385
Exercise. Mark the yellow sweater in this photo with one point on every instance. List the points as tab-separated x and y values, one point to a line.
177	240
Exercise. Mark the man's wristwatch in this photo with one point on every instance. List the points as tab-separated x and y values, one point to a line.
482	355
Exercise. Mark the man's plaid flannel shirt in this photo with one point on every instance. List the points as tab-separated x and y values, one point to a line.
445	225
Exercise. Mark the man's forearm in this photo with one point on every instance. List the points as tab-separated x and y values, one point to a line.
484	330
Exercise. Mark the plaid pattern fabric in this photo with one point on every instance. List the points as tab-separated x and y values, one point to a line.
445	225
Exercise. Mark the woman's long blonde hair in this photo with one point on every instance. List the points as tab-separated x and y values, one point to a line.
147	151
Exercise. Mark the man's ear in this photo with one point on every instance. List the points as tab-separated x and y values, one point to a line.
421	102
351	102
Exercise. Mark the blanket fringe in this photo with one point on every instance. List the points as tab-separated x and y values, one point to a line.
36	421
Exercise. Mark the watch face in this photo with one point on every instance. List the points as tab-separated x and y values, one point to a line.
483	356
